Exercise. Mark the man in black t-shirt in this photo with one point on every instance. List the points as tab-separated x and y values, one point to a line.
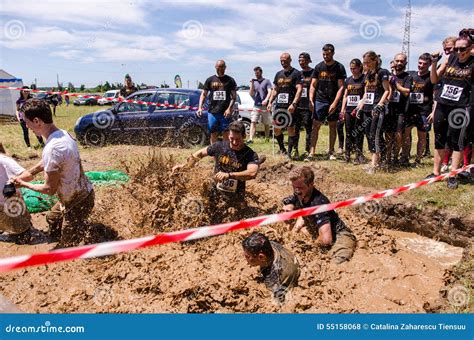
128	88
419	108
222	91
235	163
326	90
304	110
279	268
328	229
286	94
394	120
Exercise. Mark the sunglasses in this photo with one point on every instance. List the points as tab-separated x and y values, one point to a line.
460	49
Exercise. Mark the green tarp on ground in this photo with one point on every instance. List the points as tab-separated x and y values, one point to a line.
36	202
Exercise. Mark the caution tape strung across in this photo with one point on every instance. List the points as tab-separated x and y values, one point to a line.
115	247
120	100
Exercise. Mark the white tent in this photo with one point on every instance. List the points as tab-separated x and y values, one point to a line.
8	97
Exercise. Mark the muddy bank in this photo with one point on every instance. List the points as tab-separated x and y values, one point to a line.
211	275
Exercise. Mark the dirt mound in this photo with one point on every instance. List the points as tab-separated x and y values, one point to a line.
211	275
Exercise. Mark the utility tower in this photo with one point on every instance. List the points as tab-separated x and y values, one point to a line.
406	34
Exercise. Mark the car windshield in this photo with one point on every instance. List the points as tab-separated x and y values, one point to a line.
109	95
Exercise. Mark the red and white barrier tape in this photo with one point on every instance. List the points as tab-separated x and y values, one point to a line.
115	247
121	100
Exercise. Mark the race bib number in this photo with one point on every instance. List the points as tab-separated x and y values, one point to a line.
369	98
451	92
416	98
304	93
353	100
283	98
219	95
228	185
395	97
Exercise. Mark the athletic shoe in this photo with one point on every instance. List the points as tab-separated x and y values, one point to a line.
310	158
370	170
339	151
464	177
332	157
295	155
430	176
444	168
452	183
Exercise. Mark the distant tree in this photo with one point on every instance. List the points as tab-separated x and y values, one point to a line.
71	87
164	85
106	87
60	87
83	87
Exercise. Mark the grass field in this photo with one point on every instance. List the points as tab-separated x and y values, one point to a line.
437	195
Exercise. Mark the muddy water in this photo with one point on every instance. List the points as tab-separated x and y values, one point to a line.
391	271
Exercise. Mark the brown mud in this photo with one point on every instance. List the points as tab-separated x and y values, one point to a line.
394	269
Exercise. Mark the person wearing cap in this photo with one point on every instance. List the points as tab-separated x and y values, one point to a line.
128	88
24	96
326	90
304	109
327	228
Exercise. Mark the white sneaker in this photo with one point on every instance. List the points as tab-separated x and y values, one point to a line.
332	157
444	168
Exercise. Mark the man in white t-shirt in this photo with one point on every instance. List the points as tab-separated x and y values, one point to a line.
14	217
63	176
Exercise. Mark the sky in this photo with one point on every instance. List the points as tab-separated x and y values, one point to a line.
92	41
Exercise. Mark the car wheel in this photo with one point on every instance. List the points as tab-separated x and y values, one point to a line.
94	137
194	136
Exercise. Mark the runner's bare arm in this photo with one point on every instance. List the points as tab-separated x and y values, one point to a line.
246	175
344	101
272	97
387	93
267	99
325	235
202	98
299	89
436	73
403	90
192	160
35	169
49	187
340	84
230	109
312	89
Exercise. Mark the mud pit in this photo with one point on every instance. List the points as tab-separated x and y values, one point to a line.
391	271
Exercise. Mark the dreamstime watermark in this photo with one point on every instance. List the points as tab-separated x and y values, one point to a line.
370	29
459	118
46	328
191	206
103	119
282	119
14	29
458	296
103	296
14	207
370	209
192	29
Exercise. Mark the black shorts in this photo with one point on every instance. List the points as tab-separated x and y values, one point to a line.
282	118
393	122
418	119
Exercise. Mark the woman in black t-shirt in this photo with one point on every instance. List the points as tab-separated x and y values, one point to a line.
452	116
377	91
353	93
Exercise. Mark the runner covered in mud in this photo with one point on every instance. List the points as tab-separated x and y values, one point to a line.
328	229
14	217
235	163
63	176
279	268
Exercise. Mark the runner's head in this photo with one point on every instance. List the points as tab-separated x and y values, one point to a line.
220	67
128	80
448	44
328	53
37	114
304	59
462	48
25	92
400	62
258	72
356	67
258	250
424	62
371	61
302	180
237	135
285	60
